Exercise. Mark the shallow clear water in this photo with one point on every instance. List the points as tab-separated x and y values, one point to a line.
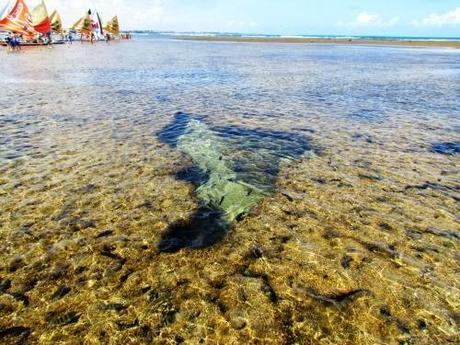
355	237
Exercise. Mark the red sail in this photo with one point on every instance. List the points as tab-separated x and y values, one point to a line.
44	27
40	19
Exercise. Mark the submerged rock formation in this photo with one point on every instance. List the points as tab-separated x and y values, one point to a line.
233	169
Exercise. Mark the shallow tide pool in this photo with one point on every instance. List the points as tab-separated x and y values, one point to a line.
161	191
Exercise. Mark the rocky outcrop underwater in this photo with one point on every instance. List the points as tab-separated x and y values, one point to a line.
233	169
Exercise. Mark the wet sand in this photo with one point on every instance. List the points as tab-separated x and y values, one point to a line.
344	41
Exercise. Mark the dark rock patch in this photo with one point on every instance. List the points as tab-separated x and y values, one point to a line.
146	204
256	252
58	319
64	213
89	188
15	264
422	325
169	317
443	233
381	249
413	234
385	227
337	299
5	284
109	254
104	233
307	130
370	177
385	312
268	290
346	261
363	138
14	332
123	325
118	307
60	292
203	229
431	185
78	224
20	297
446	148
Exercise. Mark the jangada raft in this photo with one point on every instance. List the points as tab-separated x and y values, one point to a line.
37	27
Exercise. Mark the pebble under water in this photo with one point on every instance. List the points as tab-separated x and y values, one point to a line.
216	193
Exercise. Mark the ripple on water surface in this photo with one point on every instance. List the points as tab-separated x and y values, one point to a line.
322	180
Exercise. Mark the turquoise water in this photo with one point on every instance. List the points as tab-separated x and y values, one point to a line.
156	34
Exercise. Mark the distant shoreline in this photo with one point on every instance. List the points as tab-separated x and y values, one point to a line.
341	41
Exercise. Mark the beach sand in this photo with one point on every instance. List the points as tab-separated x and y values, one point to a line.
347	41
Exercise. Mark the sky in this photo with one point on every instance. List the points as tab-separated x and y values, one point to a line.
436	18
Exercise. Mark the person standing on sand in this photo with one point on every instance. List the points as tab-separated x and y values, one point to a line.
16	42
92	38
50	40
9	42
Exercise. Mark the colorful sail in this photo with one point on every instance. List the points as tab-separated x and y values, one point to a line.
113	26
40	19
83	25
56	22
18	20
96	23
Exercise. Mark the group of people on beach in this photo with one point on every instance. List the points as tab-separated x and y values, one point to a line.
90	38
13	42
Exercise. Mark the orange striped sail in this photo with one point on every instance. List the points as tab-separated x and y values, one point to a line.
40	19
18	20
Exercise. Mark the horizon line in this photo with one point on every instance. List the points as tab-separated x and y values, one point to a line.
284	35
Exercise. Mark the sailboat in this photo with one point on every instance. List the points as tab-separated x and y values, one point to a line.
56	22
18	20
40	19
83	25
96	25
113	27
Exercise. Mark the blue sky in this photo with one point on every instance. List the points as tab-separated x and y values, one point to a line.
347	17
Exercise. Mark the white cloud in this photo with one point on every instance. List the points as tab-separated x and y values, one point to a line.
393	21
449	18
368	19
365	18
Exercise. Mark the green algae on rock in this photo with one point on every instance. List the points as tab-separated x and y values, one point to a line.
225	194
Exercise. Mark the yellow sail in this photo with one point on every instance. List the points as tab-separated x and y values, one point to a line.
56	22
83	25
40	18
112	26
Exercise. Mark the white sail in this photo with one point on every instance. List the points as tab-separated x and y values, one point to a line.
5	10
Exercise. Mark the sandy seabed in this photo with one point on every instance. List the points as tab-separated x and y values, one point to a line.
359	243
334	41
